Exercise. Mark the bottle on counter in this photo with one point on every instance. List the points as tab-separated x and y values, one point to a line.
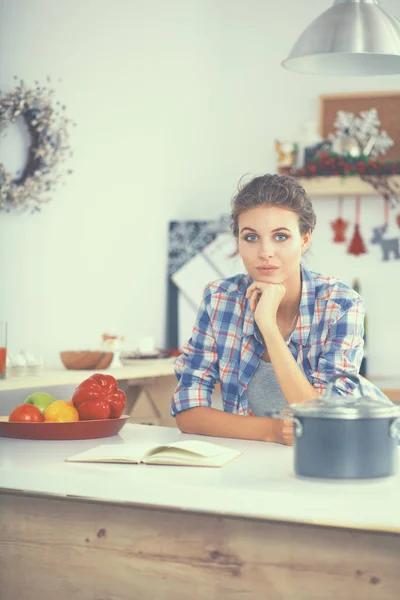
363	367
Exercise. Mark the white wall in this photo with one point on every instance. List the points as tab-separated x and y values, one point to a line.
174	102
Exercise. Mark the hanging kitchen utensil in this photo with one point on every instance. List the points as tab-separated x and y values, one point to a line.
357	246
339	226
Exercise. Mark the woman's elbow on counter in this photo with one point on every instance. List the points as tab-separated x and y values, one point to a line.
186	420
181	421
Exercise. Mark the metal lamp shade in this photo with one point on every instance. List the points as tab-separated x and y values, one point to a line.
353	37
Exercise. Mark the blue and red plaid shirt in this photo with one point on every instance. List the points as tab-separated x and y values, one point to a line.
226	345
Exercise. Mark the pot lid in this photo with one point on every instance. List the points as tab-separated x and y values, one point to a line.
351	406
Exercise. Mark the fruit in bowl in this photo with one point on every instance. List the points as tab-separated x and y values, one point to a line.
60	411
26	413
56	411
40	399
98	397
86	359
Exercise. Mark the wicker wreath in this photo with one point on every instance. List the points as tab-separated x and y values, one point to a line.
48	130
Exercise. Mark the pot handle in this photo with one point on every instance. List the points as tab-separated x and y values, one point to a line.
394	430
298	430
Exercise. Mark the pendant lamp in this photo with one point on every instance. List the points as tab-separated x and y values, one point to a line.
353	37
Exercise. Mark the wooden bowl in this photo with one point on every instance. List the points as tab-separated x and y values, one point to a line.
86	360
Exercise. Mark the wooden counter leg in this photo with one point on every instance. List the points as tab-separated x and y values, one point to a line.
148	400
132	394
159	392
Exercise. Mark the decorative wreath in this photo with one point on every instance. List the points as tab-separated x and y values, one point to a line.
48	148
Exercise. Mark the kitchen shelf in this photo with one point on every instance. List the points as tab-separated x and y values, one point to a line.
350	185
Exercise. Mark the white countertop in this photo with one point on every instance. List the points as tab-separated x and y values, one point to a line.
260	484
141	369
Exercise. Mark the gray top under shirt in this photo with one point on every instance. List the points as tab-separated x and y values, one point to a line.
264	392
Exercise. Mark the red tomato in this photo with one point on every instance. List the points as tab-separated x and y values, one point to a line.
26	413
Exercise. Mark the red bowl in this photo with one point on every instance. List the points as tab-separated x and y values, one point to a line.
76	430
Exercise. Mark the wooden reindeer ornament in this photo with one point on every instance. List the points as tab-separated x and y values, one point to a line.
390	246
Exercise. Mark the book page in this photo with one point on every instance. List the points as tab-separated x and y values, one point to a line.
134	453
117	453
187	453
183	458
191	453
192	446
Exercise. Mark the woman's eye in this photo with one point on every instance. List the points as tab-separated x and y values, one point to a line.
251	237
281	237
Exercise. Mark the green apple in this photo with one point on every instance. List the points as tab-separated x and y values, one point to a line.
40	399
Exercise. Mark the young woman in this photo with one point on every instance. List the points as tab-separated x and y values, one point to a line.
274	336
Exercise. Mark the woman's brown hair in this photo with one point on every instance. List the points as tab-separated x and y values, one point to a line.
273	190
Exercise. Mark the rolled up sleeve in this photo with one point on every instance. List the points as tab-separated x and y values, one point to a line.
197	368
342	350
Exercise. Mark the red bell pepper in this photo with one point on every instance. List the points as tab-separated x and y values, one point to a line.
98	397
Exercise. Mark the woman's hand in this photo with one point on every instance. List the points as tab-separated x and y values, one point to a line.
282	431
265	299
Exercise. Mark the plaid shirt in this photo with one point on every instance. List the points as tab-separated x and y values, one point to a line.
226	345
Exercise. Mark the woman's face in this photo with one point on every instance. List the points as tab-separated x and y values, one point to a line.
270	243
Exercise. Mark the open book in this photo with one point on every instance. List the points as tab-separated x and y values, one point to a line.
191	453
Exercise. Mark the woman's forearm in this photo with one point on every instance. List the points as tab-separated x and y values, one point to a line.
294	384
211	421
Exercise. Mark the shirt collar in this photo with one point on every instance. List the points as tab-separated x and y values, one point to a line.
301	333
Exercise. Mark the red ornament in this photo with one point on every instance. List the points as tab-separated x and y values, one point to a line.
357	246
339	226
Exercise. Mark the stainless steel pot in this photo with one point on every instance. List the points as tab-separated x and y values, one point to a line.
345	436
